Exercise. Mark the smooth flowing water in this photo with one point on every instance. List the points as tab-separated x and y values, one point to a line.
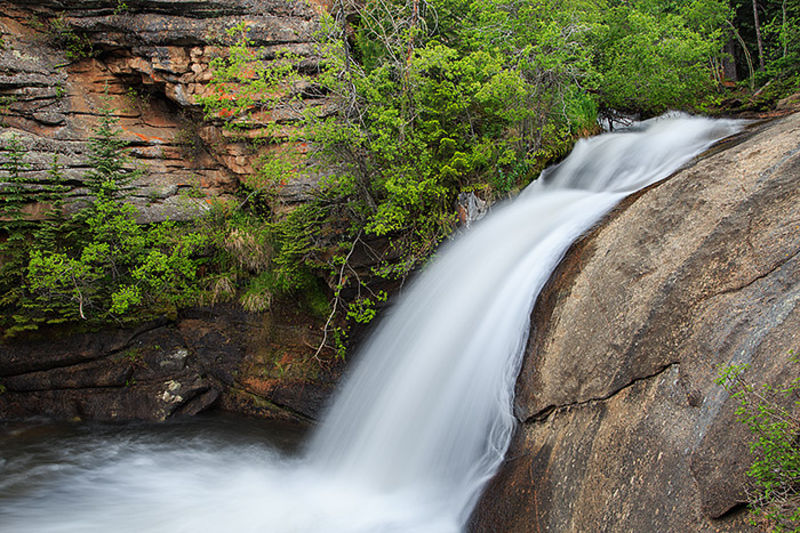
419	425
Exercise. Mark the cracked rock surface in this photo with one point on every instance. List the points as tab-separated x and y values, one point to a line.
622	425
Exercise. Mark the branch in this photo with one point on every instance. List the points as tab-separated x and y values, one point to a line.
336	300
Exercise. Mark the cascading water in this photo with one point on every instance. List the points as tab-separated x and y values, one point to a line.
423	420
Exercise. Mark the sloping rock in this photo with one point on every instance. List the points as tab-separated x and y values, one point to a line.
622	425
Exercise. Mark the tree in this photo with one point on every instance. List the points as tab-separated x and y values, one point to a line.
14	196
757	25
101	266
654	56
432	99
770	29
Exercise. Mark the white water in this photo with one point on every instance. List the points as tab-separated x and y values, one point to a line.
424	418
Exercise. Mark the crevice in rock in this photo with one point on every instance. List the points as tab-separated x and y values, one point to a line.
201	401
735	509
550	410
138	332
53	390
70	361
757	278
258	399
771	170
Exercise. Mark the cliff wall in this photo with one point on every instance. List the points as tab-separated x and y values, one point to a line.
148	60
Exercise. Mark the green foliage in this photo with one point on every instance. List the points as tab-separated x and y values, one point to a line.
432	99
653	59
421	121
363	309
773	66
97	265
246	82
56	223
14	192
771	414
121	8
5	104
781	33
109	171
138	99
15	195
63	36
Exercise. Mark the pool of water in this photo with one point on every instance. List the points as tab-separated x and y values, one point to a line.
89	475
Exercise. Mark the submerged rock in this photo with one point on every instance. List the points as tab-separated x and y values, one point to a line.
623	427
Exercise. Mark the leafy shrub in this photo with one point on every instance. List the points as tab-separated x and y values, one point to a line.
772	415
63	36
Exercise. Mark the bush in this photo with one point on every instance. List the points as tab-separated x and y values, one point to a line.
772	415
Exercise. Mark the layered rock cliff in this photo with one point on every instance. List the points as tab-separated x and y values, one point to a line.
622	426
148	60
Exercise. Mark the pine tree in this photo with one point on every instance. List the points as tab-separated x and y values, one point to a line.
109	174
52	231
13	195
108	180
13	198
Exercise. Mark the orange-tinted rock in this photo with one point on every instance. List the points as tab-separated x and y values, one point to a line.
150	60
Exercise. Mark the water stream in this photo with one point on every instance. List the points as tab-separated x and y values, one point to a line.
421	422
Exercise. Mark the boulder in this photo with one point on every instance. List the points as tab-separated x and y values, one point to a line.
622	425
220	357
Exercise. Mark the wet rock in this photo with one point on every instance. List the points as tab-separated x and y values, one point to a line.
141	374
217	357
622	425
262	363
470	208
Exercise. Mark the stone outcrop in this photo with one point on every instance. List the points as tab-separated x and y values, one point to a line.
61	62
623	427
218	357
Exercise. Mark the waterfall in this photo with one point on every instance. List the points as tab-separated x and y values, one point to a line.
424	417
430	402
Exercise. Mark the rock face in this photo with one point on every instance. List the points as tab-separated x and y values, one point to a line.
622	425
114	375
62	62
221	357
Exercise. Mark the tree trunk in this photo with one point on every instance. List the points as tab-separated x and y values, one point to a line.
784	37
746	53
729	72
758	36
